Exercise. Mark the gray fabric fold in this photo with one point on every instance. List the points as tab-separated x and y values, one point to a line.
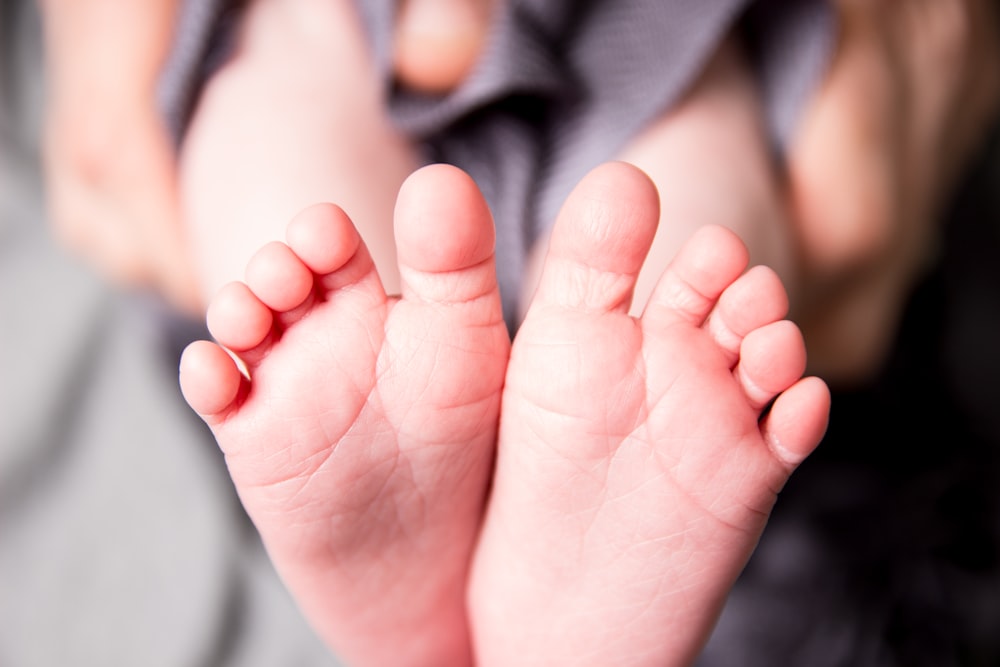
560	88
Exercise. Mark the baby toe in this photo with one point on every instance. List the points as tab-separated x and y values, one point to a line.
278	277
600	240
238	319
445	239
772	358
210	380
703	268
323	238
797	421
755	299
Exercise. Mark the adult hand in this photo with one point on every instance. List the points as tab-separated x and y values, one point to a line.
110	166
109	162
912	90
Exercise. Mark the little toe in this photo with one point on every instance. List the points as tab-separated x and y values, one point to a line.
756	298
278	277
599	241
772	358
709	262
445	239
797	421
237	318
210	380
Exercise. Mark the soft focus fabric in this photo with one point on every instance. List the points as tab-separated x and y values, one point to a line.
562	85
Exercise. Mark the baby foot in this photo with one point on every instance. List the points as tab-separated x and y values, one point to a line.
638	458
361	439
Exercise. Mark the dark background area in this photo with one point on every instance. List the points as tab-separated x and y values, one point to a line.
884	547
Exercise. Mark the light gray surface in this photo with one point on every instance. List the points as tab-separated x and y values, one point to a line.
121	539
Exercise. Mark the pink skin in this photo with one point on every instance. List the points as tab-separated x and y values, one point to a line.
637	464
362	443
635	469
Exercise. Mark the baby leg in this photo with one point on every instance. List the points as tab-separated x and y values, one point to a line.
709	158
638	458
293	118
361	442
849	221
711	163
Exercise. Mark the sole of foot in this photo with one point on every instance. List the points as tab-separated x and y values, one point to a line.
360	430
638	457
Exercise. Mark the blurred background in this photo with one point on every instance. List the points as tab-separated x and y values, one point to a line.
122	542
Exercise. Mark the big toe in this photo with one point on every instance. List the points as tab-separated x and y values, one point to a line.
600	240
445	239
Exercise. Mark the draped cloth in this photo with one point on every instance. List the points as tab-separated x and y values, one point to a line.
561	86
